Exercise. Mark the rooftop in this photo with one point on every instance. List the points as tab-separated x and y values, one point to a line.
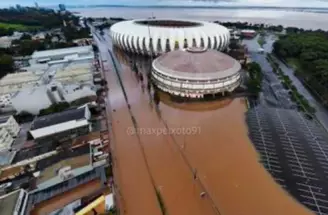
8	202
74	162
196	62
4	119
64	51
168	23
58	118
13	82
74	74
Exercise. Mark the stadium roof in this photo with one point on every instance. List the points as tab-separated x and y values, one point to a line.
197	64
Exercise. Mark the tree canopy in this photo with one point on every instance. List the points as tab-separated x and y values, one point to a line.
310	49
6	64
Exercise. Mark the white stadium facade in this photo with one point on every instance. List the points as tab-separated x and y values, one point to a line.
157	36
196	72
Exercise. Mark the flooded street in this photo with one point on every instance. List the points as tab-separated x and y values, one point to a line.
253	47
217	158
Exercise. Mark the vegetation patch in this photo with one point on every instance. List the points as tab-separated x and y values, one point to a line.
254	83
307	52
302	103
17	27
261	40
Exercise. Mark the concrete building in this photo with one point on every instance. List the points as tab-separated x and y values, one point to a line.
61	126
248	33
9	123
196	72
14	203
6	140
9	129
42	57
33	100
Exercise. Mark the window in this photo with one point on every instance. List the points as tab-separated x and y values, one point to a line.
209	45
144	48
167	46
132	44
185	44
220	42
123	42
127	42
176	45
138	45
151	47
194	44
215	43
202	42
159	46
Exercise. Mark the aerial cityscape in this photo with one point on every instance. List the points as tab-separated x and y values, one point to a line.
160	107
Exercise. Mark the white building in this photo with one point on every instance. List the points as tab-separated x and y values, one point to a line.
61	54
67	124
35	99
9	129
156	36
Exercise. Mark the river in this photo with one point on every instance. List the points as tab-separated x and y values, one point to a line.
306	20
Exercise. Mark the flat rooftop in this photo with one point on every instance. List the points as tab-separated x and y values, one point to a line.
8	202
74	163
64	51
75	73
57	118
13	82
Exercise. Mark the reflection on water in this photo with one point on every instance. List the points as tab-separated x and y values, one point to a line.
221	154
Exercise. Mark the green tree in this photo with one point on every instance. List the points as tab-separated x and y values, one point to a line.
6	64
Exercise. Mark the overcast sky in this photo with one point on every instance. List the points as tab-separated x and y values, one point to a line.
287	3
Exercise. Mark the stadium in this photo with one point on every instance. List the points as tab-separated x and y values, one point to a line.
196	72
157	36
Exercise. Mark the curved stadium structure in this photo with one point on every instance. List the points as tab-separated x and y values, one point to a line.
196	72
156	36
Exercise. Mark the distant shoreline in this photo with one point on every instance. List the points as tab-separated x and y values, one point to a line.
296	9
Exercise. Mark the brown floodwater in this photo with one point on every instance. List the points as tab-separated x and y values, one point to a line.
185	149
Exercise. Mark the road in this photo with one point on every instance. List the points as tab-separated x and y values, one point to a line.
253	46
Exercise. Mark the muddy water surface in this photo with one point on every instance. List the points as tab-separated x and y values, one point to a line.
192	148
